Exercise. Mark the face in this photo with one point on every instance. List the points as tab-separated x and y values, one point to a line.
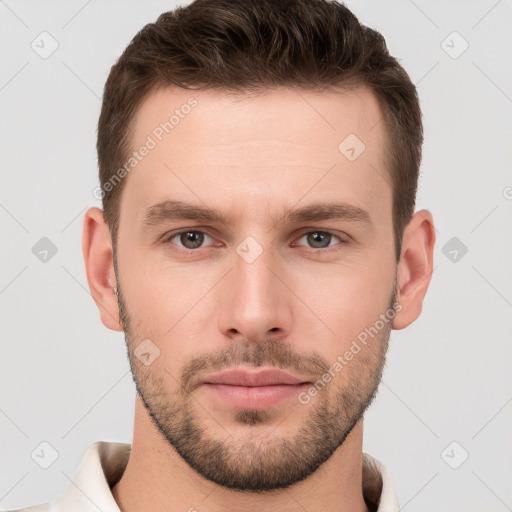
256	276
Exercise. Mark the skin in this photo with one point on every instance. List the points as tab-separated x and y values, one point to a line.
254	158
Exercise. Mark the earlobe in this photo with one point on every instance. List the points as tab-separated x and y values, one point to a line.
415	267
99	267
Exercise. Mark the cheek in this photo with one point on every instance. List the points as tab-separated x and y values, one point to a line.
159	294
172	306
346	300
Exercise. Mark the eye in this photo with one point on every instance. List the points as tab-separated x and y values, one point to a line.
188	239
192	239
320	239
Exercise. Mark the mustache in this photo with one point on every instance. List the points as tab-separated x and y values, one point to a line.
267	353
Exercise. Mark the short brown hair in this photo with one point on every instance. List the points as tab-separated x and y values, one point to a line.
252	45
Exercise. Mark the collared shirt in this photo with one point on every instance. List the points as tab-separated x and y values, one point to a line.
105	462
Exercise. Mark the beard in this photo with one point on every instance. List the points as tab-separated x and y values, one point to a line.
257	462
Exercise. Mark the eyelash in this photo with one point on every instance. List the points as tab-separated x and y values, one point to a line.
170	236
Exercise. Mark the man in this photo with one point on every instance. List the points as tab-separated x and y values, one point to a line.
258	166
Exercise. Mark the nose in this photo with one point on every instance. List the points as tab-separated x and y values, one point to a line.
256	304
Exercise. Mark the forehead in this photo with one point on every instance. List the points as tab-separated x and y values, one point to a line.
220	148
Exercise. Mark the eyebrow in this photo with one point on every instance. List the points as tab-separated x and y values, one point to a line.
178	210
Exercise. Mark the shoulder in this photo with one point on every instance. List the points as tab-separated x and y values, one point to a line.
90	488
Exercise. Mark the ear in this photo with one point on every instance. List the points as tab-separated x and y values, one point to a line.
415	268
99	267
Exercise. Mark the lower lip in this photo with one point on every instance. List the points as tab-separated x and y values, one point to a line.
254	397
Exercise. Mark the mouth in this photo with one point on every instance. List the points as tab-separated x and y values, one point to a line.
253	389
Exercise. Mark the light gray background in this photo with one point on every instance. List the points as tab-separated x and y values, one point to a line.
65	378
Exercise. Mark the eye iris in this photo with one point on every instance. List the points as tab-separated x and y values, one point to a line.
194	238
317	237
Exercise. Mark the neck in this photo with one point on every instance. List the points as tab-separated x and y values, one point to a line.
157	478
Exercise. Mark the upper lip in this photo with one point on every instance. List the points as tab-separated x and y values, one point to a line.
243	377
